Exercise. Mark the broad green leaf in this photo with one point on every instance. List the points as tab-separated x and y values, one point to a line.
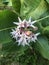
6	24
47	1
27	6
16	5
34	8
6	21
5	37
7	18
43	47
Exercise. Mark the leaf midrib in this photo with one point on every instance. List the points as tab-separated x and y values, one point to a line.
15	26
7	28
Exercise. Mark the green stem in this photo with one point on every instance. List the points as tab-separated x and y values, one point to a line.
15	26
16	13
30	48
42	18
7	28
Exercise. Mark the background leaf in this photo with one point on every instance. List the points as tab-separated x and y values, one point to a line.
10	52
46	30
16	5
34	8
6	21
43	47
47	1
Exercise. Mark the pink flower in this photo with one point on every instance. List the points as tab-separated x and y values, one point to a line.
21	34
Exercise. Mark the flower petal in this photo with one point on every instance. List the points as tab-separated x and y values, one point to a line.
16	23
33	22
30	19
19	20
37	34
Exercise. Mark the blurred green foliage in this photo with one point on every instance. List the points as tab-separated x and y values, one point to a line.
10	52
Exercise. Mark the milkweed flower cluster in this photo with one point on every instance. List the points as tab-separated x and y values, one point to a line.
22	34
